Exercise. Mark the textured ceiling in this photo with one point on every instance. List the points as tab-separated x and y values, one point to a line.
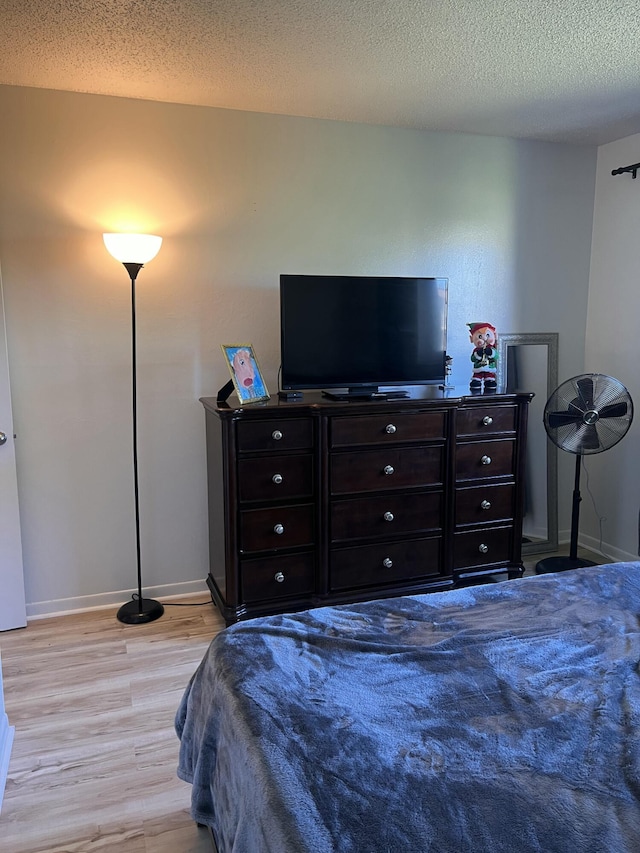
562	70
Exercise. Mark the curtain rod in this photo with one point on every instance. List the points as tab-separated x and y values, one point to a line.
633	169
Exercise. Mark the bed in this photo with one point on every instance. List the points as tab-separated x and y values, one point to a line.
502	717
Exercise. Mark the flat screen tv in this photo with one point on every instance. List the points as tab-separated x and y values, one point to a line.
353	335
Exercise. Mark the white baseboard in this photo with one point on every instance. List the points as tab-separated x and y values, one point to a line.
6	741
62	606
613	555
603	549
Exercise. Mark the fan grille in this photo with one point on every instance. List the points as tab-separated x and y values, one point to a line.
588	413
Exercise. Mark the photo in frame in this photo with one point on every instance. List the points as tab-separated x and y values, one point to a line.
245	373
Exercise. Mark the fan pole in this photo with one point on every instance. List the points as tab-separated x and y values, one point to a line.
575	511
562	564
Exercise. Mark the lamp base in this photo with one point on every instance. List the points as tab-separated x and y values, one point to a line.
140	611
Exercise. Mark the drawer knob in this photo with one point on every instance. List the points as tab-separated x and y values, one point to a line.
390	429
387	562
486	460
276	435
279	577
388	516
277	479
483	548
388	469
279	529
487	421
485	505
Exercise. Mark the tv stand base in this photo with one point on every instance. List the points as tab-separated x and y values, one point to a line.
365	394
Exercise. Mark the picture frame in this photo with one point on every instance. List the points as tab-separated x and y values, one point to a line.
245	373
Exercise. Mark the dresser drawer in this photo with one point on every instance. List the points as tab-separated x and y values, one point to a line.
387	468
389	516
480	420
275	478
485	459
276	434
484	504
387	563
387	428
276	527
277	577
482	547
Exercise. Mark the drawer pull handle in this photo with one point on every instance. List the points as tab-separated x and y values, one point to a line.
276	435
279	577
388	516
277	479
484	549
485	505
387	562
279	529
390	429
388	469
487	421
486	460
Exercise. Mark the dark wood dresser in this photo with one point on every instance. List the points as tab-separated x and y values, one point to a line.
323	502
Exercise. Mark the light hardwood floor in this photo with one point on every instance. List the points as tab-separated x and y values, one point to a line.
93	764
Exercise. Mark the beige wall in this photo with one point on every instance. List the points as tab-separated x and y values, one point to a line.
239	198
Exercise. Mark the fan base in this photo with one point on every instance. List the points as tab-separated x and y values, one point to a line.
561	564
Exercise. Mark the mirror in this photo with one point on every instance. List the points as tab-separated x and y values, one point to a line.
529	362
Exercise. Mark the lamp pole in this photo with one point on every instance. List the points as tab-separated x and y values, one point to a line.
145	247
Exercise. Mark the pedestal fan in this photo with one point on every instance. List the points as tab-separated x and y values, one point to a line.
586	414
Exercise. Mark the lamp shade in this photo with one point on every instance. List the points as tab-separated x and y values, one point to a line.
132	248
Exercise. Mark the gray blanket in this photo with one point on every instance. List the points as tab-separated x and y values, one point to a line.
495	718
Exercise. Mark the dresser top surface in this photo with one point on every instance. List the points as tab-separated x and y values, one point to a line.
314	401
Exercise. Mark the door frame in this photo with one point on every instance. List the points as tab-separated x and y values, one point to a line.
13	612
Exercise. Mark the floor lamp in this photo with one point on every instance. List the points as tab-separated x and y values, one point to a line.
133	251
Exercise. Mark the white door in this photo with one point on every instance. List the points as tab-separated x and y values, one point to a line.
12	603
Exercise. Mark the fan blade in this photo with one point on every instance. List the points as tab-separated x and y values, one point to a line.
614	410
585	389
560	419
608	390
587	437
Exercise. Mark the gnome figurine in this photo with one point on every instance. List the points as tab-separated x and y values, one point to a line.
484	357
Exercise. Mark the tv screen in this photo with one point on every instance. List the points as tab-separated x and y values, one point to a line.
362	332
